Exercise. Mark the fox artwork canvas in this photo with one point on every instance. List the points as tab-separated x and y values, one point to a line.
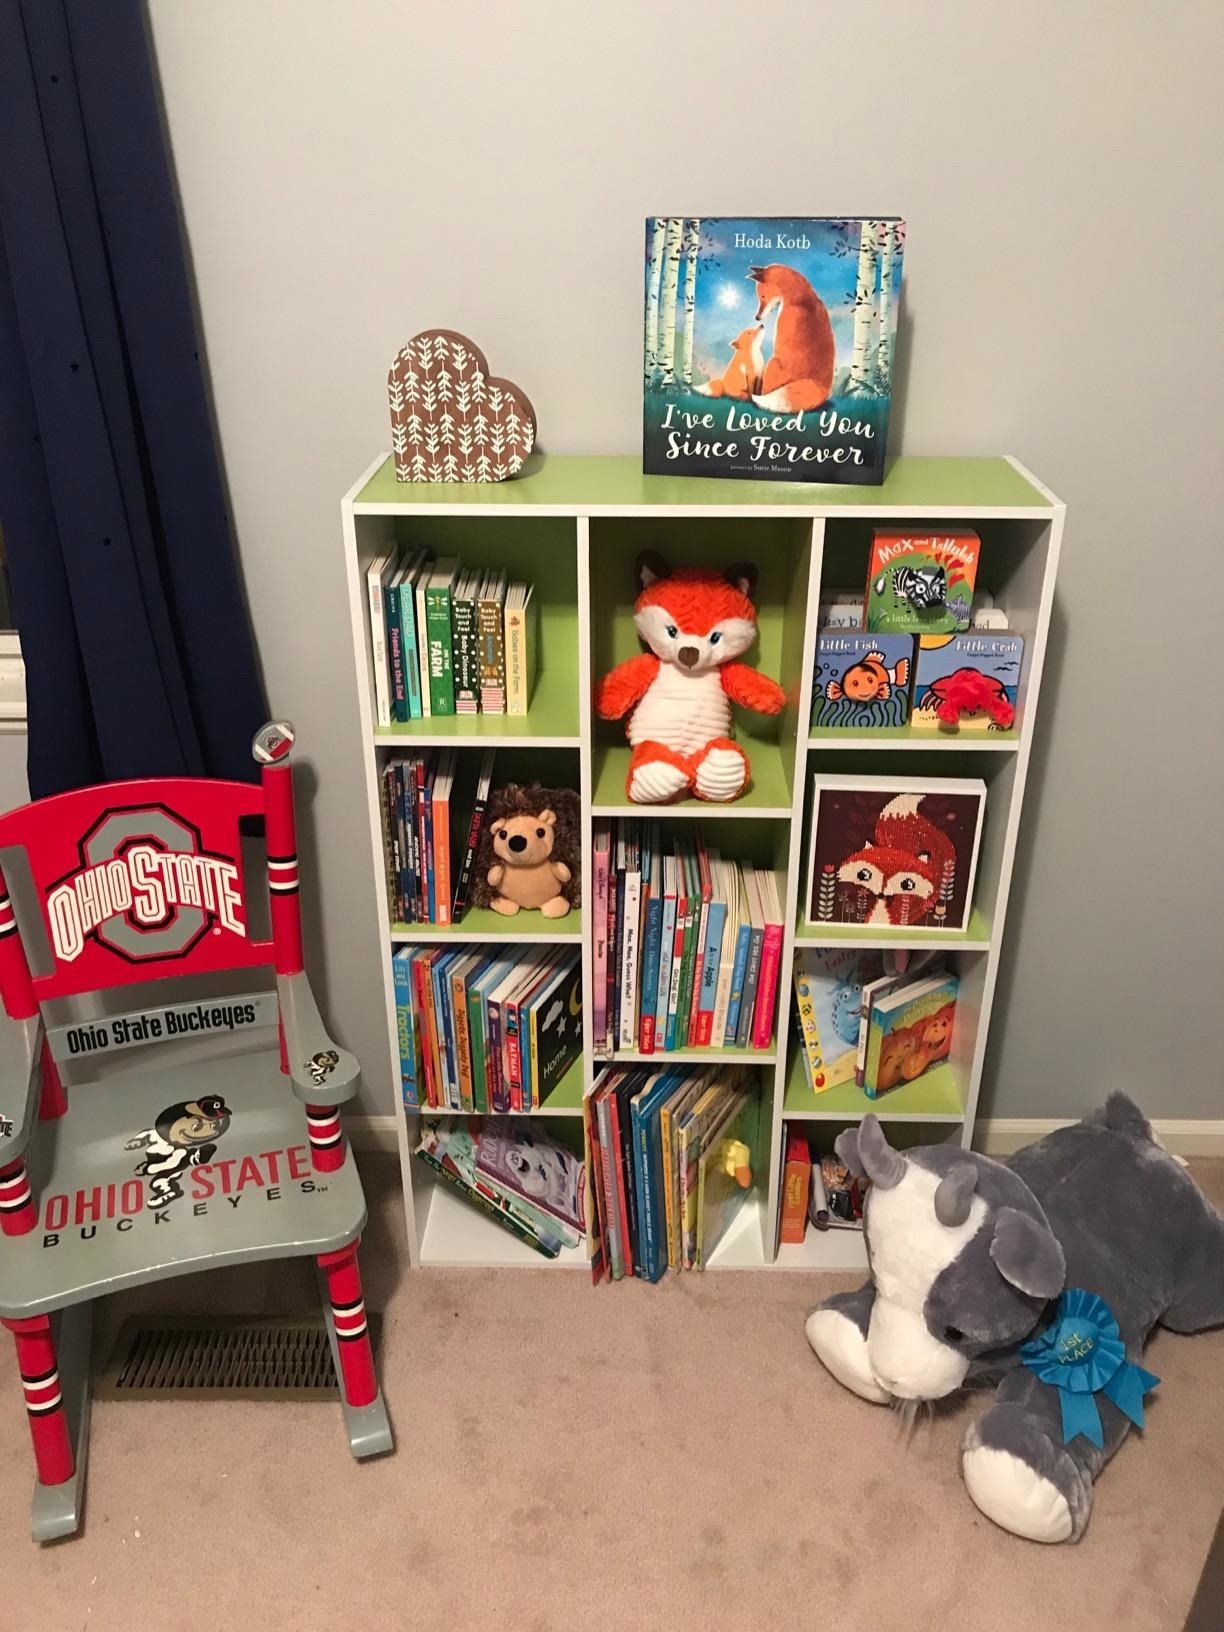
769	346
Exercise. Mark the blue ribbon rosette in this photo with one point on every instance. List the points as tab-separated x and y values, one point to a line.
1081	1354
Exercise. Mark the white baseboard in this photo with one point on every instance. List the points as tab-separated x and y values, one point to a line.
378	1133
1002	1135
997	1136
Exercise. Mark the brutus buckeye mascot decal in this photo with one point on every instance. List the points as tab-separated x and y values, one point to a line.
183	1136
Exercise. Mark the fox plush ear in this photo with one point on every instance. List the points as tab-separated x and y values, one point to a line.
743	575
650	568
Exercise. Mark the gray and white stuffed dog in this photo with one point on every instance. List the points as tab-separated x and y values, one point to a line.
967	1257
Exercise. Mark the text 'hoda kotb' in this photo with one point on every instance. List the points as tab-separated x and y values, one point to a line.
769	346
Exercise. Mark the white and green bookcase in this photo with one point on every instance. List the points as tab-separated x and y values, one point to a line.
573	526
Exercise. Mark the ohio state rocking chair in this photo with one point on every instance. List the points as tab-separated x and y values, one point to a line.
161	1172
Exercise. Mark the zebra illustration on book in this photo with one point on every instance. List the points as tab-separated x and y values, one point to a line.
183	1136
921	587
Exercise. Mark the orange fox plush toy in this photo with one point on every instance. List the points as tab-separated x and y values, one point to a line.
678	695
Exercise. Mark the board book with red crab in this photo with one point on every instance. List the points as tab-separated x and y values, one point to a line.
909	1032
921	583
994	658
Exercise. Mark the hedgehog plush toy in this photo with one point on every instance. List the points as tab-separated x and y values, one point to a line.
1046	1274
678	694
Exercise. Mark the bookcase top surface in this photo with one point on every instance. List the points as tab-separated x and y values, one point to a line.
613	484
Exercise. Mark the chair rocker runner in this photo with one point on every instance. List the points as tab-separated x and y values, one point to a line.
188	1166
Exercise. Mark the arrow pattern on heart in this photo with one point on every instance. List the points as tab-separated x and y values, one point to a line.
450	422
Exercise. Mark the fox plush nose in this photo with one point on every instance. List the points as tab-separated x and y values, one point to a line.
517	843
688	655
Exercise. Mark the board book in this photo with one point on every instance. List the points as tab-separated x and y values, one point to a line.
921	583
995	657
862	681
909	1032
828	998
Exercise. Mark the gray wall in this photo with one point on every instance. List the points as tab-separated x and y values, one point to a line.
351	173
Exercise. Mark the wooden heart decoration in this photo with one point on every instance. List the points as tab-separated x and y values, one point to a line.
451	420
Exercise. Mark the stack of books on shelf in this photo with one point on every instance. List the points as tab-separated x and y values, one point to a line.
484	1029
672	1156
860	1020
923	646
817	1190
431	830
530	1184
448	640
687	943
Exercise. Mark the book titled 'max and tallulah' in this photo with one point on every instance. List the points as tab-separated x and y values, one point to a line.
769	346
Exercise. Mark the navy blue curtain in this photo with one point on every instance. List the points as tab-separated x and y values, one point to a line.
138	652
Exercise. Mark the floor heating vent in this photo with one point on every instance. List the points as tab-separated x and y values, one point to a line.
186	1357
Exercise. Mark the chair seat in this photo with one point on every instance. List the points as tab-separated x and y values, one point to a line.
104	1224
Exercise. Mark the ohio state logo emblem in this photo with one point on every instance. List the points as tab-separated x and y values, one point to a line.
146	889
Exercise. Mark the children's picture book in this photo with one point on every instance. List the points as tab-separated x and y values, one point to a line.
921	583
893	852
910	1031
769	346
862	681
531	1164
829	985
967	682
450	1147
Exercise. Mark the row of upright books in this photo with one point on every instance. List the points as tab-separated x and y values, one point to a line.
672	1155
687	943
864	1022
529	1183
448	640
482	1029
433	810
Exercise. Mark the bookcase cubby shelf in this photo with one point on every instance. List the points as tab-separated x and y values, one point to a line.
573	526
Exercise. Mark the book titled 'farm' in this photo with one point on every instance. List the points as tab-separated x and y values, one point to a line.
769	347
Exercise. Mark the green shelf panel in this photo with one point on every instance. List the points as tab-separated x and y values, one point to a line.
871	935
886	736
567	1094
582	484
483	924
768	790
553	712
934	1095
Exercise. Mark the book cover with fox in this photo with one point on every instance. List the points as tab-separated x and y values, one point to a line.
769	346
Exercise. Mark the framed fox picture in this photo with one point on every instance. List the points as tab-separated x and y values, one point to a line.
894	852
769	346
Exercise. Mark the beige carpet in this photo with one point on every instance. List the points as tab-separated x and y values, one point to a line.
627	1459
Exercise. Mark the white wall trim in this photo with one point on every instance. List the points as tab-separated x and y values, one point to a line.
1001	1136
372	1132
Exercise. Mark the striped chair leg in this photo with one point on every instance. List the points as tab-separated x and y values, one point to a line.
326	1137
43	1399
352	1334
18	1210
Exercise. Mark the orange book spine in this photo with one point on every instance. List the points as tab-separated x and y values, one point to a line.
796	1178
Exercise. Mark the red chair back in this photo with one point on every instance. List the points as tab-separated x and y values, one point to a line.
144	880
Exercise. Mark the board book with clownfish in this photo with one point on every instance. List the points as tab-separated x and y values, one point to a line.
862	680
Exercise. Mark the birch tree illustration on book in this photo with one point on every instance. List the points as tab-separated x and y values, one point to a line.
769	346
451	420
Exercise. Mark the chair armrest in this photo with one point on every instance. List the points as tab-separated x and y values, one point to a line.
21	1044
322	1072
